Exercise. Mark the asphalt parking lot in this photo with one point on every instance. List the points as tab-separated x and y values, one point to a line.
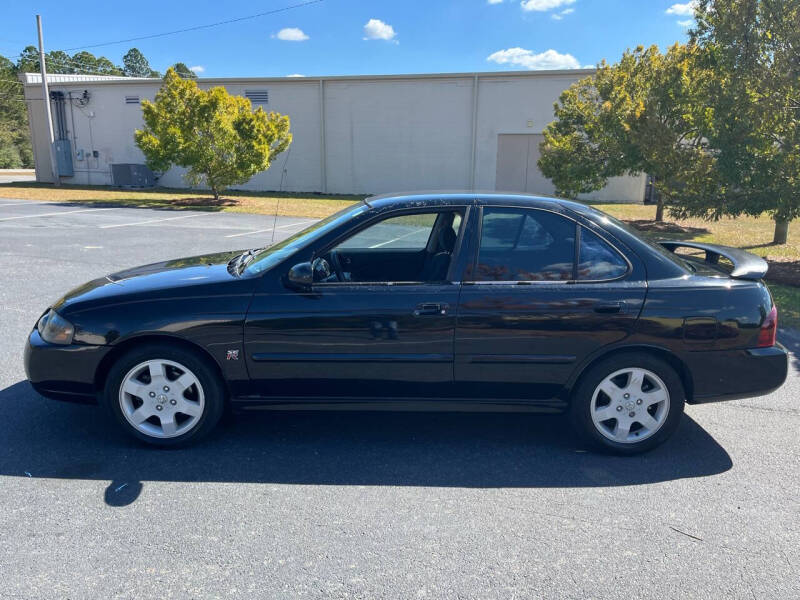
363	505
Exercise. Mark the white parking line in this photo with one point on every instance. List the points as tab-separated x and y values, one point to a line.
4	204
153	221
52	214
395	239
233	235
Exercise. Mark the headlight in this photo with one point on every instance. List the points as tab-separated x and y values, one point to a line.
55	329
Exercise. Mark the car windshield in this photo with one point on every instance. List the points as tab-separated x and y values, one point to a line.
267	258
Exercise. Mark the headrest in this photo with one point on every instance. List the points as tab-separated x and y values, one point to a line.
447	239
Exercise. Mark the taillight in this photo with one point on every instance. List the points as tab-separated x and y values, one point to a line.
769	329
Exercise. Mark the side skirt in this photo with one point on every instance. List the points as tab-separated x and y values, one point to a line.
400	404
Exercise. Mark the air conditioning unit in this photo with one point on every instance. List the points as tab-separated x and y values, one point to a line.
131	175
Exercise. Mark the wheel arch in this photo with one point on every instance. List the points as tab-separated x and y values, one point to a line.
662	353
101	373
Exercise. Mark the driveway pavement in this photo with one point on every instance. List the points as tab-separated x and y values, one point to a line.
364	505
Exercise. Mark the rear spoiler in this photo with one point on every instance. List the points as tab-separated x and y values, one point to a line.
745	265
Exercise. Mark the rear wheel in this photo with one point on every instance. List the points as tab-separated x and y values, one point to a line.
164	395
628	403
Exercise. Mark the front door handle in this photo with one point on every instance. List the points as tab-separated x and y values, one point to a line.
430	308
609	307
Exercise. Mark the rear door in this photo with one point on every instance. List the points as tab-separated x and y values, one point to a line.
542	295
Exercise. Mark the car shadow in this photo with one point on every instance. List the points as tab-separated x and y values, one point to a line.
44	438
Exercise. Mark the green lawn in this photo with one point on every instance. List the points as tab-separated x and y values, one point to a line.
267	203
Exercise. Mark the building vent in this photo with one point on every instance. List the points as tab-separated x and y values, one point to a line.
131	99
257	96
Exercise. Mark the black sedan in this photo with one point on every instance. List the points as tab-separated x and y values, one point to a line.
481	302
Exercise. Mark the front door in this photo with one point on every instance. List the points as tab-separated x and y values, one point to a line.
533	308
381	324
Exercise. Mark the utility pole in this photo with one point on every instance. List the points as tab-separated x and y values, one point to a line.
46	100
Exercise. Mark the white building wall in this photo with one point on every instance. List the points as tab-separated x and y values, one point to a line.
380	134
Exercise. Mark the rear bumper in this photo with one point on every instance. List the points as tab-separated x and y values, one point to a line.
735	374
63	372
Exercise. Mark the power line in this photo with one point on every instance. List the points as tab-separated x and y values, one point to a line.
187	29
197	27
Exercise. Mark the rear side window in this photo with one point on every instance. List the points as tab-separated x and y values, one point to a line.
525	245
598	260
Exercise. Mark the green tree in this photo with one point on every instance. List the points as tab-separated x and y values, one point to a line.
215	135
183	71
15	145
635	116
752	51
136	65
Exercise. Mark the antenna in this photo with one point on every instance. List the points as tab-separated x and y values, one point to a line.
280	190
275	220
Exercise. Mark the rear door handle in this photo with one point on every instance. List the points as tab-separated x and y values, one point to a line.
430	308
609	307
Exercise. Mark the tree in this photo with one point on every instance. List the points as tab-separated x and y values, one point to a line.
183	71
136	65
636	116
215	135
752	50
15	145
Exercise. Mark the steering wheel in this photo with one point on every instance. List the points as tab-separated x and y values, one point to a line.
337	265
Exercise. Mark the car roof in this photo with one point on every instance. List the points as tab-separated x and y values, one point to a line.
447	197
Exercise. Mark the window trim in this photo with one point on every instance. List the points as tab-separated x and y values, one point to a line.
575	258
464	209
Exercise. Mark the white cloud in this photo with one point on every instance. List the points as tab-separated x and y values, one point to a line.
291	34
495	1
295	75
375	29
560	15
686	23
197	69
683	10
544	5
567	11
520	57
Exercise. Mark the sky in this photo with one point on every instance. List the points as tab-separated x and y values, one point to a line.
350	37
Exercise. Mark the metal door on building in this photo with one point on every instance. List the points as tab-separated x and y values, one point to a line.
517	171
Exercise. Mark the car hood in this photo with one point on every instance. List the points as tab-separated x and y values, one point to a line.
183	277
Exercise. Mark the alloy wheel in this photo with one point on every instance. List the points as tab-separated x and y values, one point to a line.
161	398
630	405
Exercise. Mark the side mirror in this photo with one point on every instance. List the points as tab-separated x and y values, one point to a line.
301	276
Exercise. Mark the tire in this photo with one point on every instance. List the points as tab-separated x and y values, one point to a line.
164	395
627	404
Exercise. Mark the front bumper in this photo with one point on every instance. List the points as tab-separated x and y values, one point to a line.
735	374
63	372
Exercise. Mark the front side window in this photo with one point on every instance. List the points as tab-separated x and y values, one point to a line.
406	248
525	245
408	232
598	260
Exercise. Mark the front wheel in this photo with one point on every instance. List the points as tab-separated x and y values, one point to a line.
628	403
164	395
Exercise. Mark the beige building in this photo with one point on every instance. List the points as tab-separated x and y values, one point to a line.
352	134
